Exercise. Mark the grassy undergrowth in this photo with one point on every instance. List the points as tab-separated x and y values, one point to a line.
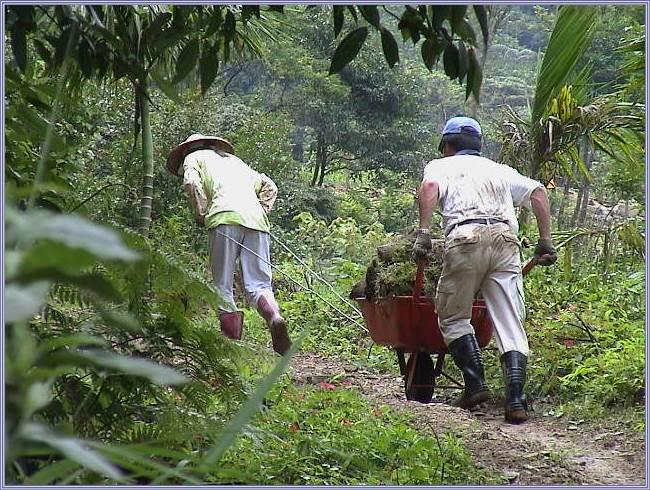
327	435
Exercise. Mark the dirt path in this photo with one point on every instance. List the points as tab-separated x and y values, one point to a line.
543	451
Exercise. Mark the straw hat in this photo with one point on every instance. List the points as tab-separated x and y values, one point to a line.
193	143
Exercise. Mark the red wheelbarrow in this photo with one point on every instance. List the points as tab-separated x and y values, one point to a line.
409	324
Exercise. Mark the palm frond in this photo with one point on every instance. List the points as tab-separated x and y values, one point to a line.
569	40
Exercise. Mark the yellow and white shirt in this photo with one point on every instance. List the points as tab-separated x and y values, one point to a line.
223	190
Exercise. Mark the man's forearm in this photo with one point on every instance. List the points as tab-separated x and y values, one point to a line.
427	202
542	211
198	201
267	194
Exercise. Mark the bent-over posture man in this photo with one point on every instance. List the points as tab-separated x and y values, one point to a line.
477	197
232	201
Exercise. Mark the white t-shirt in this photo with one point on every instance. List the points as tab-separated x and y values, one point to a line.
472	186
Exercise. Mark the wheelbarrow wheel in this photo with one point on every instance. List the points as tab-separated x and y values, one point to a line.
422	384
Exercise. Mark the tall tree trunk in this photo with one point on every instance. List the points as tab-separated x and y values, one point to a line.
580	211
585	201
576	210
144	220
321	179
563	203
321	162
314	177
588	158
298	150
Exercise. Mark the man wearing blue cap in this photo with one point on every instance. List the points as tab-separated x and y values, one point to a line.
477	197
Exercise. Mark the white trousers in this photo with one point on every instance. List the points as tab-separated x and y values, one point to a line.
225	242
486	258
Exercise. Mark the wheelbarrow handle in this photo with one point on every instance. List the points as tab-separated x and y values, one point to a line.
419	279
529	266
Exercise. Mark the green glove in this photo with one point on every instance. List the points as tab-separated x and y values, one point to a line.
545	252
422	245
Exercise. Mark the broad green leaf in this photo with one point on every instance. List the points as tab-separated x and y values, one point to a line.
474	76
155	373
450	61
53	472
71	448
38	395
571	36
439	13
91	282
106	35
131	457
481	15
339	18
85	58
229	27
457	15
389	46
215	22
19	46
208	66
166	87
13	259
463	61
72	231
465	31
153	30
187	60
371	14
430	51
48	254
168	39
411	24
120	319
78	340
248	10
21	303
37	127
348	49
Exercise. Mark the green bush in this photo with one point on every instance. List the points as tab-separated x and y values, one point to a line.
587	336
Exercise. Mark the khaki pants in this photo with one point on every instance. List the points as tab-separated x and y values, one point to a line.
486	258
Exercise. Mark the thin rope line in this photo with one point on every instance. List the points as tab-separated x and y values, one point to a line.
316	274
345	315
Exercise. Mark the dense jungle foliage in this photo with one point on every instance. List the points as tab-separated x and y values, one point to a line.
115	369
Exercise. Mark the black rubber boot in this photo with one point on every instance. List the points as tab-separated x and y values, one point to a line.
467	356
514	370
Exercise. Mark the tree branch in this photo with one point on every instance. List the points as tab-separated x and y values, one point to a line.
237	72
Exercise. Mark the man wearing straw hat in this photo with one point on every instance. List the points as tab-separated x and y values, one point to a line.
478	199
232	201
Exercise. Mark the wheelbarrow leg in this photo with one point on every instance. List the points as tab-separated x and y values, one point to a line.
437	370
401	361
419	380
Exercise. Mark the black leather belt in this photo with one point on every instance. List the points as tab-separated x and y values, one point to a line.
479	221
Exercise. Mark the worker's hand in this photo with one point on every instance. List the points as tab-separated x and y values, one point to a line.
422	246
545	252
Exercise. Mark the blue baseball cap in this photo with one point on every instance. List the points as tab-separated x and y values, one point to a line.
462	124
